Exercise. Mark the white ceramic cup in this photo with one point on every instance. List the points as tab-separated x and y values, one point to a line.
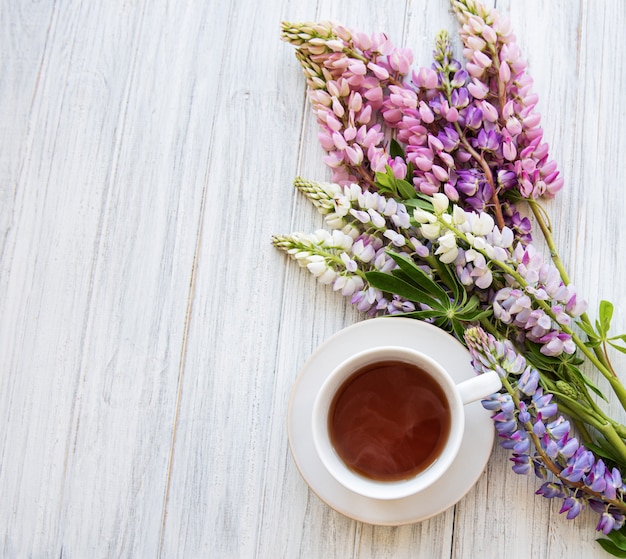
457	395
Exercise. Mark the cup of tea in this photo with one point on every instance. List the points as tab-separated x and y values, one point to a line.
388	422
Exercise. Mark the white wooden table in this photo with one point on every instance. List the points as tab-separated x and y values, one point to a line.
149	332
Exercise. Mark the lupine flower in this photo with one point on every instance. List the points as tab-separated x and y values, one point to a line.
495	63
541	440
365	226
348	73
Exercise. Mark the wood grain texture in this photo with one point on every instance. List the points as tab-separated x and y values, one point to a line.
150	334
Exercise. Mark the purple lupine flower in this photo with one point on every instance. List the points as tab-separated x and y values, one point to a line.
569	470
498	70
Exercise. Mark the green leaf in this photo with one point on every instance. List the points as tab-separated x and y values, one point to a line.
393	284
405	189
418	202
618	537
450	279
383	180
458	329
399	273
588	329
421	315
611	547
603	450
395	149
410	169
618	347
605	315
471	305
620	337
418	276
479	315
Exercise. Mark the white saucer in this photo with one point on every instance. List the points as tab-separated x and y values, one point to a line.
475	448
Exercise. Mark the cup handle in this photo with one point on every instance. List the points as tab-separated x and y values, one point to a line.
479	387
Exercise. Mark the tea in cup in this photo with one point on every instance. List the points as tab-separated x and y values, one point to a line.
388	422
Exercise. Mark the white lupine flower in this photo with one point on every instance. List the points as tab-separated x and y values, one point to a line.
316	265
370	200
348	284
479	243
484	279
363	251
342	205
301	257
351	231
401	219
350	264
377	219
335	221
470	255
328	276
422	216
503	238
431	231
341	240
396	238
447	251
483	225
353	191
383	262
440	202
391	207
458	215
361	215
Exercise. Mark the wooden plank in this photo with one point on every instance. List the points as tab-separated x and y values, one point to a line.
221	455
101	262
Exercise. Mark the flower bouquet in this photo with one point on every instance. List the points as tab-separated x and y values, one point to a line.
434	171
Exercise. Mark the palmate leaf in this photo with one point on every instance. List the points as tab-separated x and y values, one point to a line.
563	367
450	312
418	276
397	286
387	183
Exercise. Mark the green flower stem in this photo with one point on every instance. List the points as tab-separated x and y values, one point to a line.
540	217
597	419
553	468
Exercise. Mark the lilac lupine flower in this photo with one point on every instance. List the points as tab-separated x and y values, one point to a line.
512	305
347	73
540	439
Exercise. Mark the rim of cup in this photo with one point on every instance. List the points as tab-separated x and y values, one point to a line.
360	484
